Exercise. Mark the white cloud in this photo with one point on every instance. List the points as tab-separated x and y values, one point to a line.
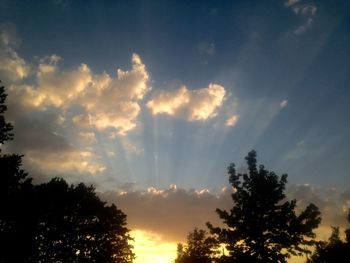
192	105
44	110
61	88
114	102
284	103
107	102
232	121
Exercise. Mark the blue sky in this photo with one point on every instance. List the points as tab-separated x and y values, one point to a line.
200	84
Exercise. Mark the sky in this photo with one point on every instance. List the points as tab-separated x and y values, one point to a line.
150	101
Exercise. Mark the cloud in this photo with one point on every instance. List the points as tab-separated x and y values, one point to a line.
333	203
61	88
58	111
44	110
284	103
307	11
87	137
82	120
105	102
72	161
192	105
47	153
291	2
12	67
304	27
232	121
172	212
160	210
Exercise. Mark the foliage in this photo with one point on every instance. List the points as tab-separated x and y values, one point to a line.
200	248
15	187
15	225
55	222
5	128
262	226
334	250
74	225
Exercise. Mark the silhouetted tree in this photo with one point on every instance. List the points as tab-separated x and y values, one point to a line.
55	222
200	248
15	188
261	226
5	127
74	225
334	250
16	236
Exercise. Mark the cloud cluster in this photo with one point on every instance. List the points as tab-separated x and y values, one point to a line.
106	102
306	10
334	204
171	212
159	210
57	112
201	104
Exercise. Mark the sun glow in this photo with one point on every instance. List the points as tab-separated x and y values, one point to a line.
149	247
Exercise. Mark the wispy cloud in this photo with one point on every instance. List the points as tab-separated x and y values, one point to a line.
291	2
306	10
284	103
232	121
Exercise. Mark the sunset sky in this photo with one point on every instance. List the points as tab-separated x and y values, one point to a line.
151	100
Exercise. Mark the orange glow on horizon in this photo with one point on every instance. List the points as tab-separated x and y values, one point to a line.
150	247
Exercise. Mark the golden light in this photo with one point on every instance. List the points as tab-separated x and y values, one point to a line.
150	247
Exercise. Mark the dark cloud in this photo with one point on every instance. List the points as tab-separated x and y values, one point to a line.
333	204
172	212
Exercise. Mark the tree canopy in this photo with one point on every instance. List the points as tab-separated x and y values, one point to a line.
200	248
262	226
54	221
334	250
